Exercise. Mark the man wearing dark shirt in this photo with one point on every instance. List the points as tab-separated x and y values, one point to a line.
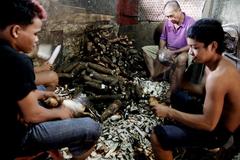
27	127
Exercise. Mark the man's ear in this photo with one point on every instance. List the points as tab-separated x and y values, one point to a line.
214	45
14	31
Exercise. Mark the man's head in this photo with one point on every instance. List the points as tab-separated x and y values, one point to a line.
20	23
205	39
208	31
173	11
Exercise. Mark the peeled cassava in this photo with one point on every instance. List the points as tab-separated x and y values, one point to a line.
76	107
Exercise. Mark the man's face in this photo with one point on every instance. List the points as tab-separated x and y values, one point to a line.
27	36
172	14
200	53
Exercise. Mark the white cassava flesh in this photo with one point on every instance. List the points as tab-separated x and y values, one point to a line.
76	107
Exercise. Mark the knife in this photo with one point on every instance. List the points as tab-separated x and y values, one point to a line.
54	54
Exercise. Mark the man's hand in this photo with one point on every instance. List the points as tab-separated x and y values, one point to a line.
53	102
43	95
172	53
153	101
165	56
66	112
46	66
159	110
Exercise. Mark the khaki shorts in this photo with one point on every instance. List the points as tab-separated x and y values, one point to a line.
151	50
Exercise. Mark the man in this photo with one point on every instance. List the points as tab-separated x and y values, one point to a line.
173	38
220	115
29	128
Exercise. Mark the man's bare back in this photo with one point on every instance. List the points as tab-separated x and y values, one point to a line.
229	78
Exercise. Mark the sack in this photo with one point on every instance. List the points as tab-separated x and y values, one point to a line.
162	63
165	57
230	37
153	63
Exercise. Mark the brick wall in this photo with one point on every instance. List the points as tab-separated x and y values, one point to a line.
152	10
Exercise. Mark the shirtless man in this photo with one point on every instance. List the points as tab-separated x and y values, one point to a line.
220	116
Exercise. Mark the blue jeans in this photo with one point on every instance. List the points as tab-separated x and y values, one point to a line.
187	102
174	134
177	135
41	88
79	134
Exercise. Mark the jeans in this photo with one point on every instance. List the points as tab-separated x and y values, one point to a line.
78	134
178	135
187	102
41	88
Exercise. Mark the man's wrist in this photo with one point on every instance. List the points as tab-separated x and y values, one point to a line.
170	113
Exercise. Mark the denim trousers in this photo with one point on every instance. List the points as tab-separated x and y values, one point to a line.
78	134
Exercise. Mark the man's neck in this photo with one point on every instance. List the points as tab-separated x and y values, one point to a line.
180	21
212	65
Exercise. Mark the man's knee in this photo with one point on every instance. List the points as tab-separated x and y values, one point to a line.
94	129
46	77
54	77
182	59
150	50
184	101
153	137
155	141
144	48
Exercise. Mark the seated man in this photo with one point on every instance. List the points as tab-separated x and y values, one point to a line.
173	38
219	118
31	128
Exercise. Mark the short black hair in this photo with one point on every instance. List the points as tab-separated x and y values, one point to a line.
19	12
207	30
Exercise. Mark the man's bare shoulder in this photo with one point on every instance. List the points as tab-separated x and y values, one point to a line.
224	76
228	75
229	70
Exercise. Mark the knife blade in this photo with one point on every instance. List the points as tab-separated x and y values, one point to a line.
54	54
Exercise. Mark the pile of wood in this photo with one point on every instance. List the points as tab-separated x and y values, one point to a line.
105	67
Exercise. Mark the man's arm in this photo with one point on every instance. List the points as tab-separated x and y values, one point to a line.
41	95
32	112
163	37
45	67
162	44
183	49
212	108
